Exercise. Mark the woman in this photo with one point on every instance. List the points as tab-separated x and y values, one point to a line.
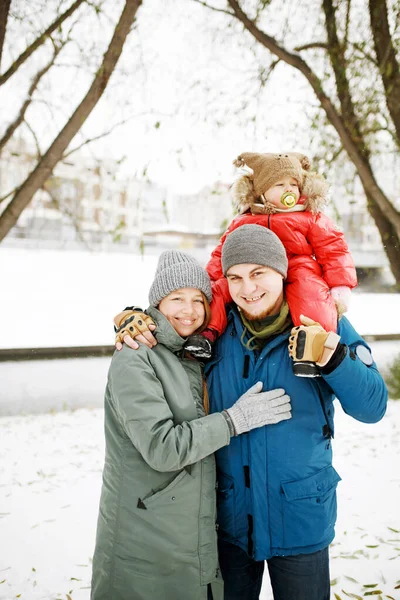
156	535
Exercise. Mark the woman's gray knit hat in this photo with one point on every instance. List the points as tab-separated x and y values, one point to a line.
255	245
177	270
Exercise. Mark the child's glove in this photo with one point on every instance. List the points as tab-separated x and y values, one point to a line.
310	342
341	296
256	408
198	346
132	323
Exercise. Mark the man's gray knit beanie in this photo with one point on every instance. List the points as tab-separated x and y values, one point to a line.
256	245
177	270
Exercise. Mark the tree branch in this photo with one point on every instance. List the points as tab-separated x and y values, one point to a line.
320	45
355	153
56	150
220	10
8	195
265	75
4	10
347	25
39	41
70	214
38	150
366	55
96	138
338	62
387	61
32	88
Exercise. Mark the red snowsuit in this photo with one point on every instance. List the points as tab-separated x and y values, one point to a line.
319	259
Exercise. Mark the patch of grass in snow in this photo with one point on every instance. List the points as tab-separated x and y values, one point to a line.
391	376
365	589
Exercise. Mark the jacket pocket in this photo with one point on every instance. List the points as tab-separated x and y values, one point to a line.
309	508
162	494
226	507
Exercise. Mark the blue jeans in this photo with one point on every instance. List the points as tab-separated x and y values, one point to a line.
299	577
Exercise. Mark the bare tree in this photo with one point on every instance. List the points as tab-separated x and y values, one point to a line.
342	109
39	41
4	10
11	129
55	152
386	59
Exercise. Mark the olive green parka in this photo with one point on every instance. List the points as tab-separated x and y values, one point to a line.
156	533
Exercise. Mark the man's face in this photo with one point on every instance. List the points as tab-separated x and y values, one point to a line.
256	290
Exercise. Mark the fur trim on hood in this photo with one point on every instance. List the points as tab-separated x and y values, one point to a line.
314	189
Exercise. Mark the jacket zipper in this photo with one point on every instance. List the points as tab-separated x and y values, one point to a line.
326	429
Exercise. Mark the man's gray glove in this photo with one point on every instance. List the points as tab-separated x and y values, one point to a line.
256	408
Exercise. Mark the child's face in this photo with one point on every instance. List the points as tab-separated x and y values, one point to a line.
285	184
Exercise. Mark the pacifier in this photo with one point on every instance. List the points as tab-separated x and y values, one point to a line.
288	199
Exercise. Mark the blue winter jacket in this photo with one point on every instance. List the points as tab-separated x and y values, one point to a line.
276	484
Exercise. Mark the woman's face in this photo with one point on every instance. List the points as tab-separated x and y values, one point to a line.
184	309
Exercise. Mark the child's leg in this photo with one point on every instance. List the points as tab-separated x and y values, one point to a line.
308	294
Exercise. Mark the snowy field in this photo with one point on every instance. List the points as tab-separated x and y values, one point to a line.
61	298
51	461
50	478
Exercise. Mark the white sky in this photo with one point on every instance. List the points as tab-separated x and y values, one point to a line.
181	67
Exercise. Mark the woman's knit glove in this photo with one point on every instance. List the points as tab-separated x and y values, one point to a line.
311	343
132	323
256	408
341	296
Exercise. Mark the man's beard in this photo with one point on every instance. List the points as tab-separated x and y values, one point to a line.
268	312
263	315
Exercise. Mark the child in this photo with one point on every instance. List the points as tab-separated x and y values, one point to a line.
280	192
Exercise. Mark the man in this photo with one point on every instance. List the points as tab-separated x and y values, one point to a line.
276	485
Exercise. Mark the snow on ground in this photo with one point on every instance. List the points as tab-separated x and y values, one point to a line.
66	298
50	464
50	477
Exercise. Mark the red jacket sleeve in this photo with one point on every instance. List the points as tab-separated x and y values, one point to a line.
332	252
221	295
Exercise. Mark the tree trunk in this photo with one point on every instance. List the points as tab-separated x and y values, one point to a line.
336	52
388	218
386	57
4	10
388	237
46	165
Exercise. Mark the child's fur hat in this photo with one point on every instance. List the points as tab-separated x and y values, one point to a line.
262	171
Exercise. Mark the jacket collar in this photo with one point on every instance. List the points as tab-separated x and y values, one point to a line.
233	316
166	334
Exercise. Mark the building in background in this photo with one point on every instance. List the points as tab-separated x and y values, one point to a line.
86	204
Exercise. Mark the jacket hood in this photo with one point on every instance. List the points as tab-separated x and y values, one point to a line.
314	193
166	334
